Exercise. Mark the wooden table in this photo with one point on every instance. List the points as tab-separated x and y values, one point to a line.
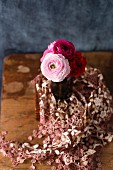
18	100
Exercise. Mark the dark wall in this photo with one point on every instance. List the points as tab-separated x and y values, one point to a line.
29	25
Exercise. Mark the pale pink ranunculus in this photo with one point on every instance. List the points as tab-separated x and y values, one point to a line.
55	67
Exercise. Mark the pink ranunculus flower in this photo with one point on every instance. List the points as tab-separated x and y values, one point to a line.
48	50
51	45
55	67
44	54
61	46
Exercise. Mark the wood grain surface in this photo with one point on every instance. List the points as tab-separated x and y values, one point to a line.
18	101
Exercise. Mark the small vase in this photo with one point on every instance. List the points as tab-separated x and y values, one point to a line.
62	90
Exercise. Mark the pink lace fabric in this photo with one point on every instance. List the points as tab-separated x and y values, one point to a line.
73	131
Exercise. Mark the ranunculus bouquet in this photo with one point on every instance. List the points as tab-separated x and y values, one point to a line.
60	60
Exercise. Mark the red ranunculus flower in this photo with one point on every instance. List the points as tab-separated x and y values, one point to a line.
77	65
65	48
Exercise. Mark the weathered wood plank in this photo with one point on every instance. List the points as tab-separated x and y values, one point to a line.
18	100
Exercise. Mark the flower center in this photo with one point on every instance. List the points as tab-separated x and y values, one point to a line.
52	66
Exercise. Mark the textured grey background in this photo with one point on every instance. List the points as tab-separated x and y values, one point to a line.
29	25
